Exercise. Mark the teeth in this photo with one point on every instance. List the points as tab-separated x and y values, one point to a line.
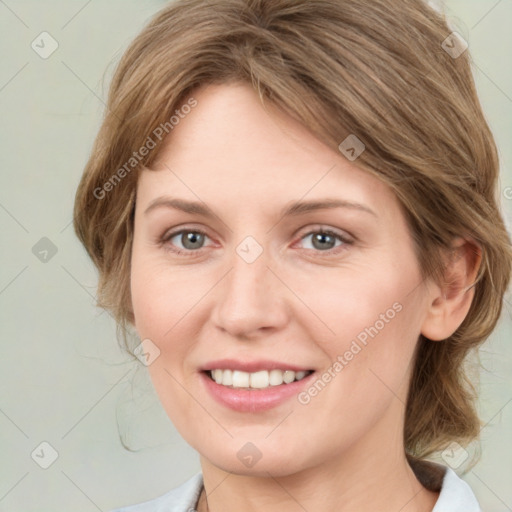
217	376
227	377
275	377
257	380
240	379
288	376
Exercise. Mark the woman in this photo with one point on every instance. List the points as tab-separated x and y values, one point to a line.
241	136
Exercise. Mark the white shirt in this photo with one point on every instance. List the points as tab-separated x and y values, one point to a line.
455	496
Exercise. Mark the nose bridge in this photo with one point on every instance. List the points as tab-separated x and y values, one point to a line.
251	297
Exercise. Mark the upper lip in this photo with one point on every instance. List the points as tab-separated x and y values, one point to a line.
251	366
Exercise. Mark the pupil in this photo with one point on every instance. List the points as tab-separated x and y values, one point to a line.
321	237
194	238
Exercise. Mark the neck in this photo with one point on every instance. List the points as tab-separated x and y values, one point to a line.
317	489
373	474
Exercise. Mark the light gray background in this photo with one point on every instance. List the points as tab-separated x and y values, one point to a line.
63	379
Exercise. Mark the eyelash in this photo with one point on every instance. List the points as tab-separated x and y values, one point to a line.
164	241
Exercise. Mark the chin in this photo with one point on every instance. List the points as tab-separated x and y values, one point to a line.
249	461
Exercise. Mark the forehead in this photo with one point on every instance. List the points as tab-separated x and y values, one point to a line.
229	145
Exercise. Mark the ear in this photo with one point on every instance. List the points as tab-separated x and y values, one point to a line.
449	302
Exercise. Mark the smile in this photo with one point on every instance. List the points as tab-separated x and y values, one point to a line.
257	380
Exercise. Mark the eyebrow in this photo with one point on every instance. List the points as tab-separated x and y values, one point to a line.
294	209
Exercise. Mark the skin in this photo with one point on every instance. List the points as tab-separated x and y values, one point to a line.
297	303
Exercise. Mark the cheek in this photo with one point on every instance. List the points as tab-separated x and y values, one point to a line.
161	302
160	297
369	357
368	322
357	303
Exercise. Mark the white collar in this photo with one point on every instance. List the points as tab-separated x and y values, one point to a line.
456	495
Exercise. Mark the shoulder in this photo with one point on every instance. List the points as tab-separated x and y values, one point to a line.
180	499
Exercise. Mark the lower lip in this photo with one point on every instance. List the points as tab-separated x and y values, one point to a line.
253	400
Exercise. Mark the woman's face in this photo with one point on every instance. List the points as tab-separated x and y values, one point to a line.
266	294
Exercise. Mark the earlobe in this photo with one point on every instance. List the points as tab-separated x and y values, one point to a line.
450	301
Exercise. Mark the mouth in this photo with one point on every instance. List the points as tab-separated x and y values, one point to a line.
254	386
263	379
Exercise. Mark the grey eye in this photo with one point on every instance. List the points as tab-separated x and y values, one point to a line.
190	240
322	240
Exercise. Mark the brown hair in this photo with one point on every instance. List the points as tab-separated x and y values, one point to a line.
373	69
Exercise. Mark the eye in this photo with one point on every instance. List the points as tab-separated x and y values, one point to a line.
324	240
192	240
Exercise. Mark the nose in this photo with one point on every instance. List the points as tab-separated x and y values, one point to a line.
251	301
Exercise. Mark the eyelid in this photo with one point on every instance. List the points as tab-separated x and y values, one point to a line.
171	233
316	228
